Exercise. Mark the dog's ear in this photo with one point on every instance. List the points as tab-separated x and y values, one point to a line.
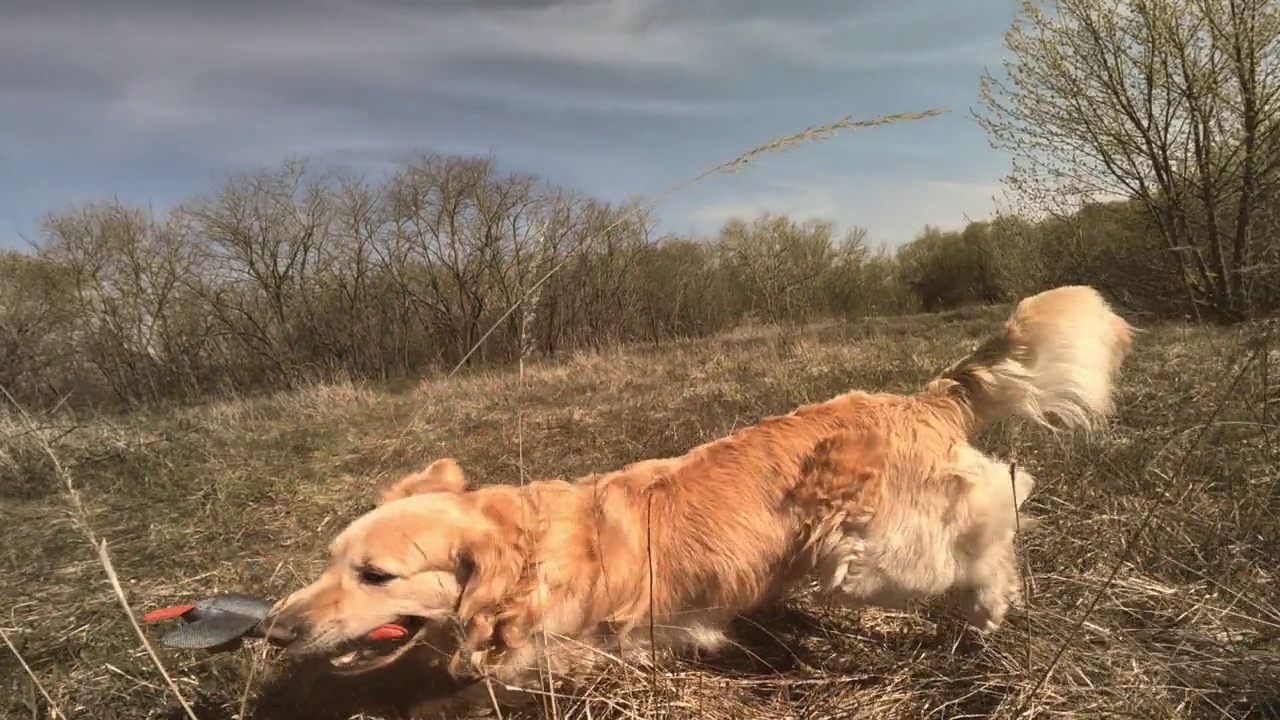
489	571
443	475
496	599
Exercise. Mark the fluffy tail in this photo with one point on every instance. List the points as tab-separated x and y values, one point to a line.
1054	364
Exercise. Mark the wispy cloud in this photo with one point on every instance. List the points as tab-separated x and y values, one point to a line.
894	210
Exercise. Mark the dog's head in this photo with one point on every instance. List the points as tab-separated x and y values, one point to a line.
431	556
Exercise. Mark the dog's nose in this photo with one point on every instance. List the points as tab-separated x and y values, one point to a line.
280	630
280	634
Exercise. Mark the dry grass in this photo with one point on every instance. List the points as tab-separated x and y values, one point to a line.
244	495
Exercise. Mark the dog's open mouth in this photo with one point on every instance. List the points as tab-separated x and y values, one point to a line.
378	650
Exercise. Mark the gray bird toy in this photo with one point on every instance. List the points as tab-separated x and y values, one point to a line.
219	623
216	623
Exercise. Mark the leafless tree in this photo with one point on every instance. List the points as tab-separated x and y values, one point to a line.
1174	103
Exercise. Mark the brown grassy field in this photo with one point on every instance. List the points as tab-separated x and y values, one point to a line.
244	495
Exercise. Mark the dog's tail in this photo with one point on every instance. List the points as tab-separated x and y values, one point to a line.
1054	364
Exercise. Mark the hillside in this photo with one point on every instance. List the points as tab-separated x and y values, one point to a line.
245	494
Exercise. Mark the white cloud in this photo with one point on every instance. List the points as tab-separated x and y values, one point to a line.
862	42
569	100
170	70
813	203
248	85
378	43
230	85
893	211
390	46
982	198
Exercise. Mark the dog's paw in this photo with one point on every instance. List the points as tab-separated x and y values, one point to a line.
986	612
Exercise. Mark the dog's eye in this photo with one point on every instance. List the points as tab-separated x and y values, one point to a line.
374	576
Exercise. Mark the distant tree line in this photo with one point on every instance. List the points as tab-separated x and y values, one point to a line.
288	276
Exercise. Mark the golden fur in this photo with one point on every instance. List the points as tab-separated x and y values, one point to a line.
869	499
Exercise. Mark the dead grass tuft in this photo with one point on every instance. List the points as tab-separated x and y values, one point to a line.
245	495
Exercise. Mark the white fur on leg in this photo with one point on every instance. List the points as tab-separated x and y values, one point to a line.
993	587
955	539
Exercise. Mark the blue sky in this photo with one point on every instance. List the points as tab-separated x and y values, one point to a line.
154	101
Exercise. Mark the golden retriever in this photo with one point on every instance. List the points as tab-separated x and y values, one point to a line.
870	499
